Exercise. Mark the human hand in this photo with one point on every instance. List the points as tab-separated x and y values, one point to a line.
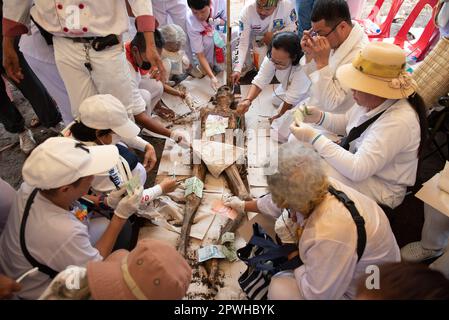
169	185
321	51
157	70
149	158
236	204
235	77
180	138
7	287
214	83
129	204
303	133
11	60
181	94
309	114
243	106
267	37
114	197
306	47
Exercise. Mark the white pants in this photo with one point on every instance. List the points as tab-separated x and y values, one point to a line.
176	10
151	91
7	196
435	236
110	72
48	74
283	286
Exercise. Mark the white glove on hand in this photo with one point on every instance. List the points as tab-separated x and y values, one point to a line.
285	228
214	83
114	197
181	138
129	204
304	133
236	204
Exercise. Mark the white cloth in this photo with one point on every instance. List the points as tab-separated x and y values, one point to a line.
328	247
383	161
284	18
70	18
54	237
326	92
203	43
41	58
291	79
7	195
110	74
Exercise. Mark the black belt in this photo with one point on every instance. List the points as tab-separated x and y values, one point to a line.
98	43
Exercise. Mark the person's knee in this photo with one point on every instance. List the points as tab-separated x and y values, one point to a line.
283	288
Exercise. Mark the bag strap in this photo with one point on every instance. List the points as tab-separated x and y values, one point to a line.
358	219
42	268
357	131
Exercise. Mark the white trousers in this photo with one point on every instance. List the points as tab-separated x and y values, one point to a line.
435	236
151	91
48	74
110	72
7	196
176	10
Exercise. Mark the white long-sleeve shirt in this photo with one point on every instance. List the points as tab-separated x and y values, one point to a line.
291	79
328	245
387	150
72	18
326	92
284	18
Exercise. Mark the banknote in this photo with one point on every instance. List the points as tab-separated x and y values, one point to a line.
210	252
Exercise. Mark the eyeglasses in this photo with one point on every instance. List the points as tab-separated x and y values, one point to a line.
315	34
277	63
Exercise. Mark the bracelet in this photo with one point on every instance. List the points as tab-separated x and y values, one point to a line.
316	138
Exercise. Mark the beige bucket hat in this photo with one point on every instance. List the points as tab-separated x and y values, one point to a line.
378	69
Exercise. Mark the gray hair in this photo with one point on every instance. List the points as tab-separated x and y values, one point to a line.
174	34
300	182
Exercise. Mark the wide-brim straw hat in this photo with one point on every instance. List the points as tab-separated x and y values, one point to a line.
379	69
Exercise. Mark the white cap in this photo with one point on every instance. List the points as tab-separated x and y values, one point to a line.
104	111
61	161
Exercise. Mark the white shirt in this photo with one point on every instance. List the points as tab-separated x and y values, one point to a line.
328	245
60	18
284	18
326	92
54	237
290	79
196	28
388	149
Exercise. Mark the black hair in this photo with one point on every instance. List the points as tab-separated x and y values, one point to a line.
198	4
418	105
331	11
140	43
289	42
82	132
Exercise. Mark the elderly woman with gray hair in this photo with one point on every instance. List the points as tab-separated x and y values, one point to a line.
320	214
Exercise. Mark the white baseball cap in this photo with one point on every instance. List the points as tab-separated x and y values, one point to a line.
104	111
61	161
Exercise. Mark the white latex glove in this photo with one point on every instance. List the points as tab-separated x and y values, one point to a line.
304	133
236	204
181	138
285	228
129	204
309	114
214	83
69	284
114	197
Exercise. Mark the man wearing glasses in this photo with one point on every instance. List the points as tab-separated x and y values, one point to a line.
332	41
258	22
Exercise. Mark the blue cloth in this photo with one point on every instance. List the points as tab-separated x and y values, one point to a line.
304	11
